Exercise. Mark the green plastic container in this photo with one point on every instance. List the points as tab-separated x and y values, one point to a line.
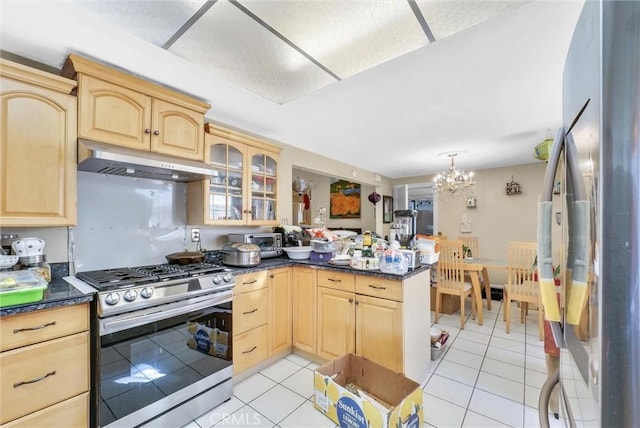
20	288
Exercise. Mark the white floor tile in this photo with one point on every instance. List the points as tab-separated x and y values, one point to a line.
500	368
457	372
301	382
191	424
277	403
531	395
532	419
485	328
450	390
535	378
441	413
298	360
214	416
280	370
474	336
307	416
469	346
496	407
512	335
511	357
245	417
313	366
252	387
536	363
508	344
465	358
475	420
501	386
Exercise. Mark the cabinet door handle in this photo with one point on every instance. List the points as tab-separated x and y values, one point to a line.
39	327
253	281
250	350
272	276
156	132
250	312
38	379
357	302
335	280
350	300
147	131
377	287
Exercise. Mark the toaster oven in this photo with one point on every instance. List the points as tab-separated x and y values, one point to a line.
270	244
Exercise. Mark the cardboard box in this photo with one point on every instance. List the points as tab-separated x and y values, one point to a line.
450	304
211	334
385	399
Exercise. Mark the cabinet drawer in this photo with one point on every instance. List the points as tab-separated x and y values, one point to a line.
38	326
250	281
336	280
37	376
250	310
378	287
74	412
249	349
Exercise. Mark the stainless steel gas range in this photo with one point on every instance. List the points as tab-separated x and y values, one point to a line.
164	354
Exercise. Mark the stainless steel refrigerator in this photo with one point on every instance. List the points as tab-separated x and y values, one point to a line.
589	223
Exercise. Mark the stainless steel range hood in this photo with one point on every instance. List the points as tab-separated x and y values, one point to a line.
115	160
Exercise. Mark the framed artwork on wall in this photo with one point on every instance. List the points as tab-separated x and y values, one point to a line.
344	199
387	209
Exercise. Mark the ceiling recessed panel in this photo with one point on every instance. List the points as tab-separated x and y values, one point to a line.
154	21
232	45
448	17
347	37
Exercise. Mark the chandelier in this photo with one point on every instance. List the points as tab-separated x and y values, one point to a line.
453	184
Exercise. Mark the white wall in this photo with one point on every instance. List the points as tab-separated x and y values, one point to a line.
498	218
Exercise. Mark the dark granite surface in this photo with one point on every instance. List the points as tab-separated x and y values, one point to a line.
284	261
58	293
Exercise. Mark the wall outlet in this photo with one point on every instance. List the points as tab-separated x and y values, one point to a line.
195	235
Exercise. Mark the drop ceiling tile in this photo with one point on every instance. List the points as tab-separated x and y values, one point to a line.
347	37
448	17
232	45
154	21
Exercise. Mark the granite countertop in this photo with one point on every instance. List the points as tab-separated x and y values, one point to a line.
58	293
284	261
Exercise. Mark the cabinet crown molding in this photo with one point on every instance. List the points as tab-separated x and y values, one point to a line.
231	134
33	76
76	64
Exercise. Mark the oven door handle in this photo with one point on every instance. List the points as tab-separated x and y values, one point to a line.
129	320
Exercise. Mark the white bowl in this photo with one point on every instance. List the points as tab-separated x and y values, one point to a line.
298	253
435	332
8	261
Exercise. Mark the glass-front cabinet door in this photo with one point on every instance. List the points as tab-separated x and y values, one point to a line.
264	186
227	186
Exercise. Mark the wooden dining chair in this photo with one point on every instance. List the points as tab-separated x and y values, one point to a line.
472	243
450	278
522	282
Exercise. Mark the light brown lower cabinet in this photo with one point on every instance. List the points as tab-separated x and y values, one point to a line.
304	308
280	299
44	368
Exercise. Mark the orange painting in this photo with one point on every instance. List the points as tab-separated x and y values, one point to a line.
345	199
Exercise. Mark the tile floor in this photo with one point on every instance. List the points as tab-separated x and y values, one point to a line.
485	378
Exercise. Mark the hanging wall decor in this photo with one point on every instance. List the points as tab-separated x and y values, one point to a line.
345	199
513	188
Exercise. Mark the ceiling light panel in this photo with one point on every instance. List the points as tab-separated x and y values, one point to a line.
153	21
448	17
232	45
347	37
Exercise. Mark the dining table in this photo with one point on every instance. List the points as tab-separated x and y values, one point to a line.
481	266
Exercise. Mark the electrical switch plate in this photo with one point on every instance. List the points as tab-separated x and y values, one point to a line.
465	227
195	235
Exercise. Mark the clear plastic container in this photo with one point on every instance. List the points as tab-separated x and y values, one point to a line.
20	287
323	246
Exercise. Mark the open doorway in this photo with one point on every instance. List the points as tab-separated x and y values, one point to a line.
419	197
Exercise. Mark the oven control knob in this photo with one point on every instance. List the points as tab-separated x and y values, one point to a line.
146	292
227	277
130	295
217	279
112	298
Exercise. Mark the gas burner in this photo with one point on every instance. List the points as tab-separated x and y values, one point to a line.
119	277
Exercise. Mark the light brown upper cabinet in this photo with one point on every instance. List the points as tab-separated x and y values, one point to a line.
120	109
243	190
37	148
